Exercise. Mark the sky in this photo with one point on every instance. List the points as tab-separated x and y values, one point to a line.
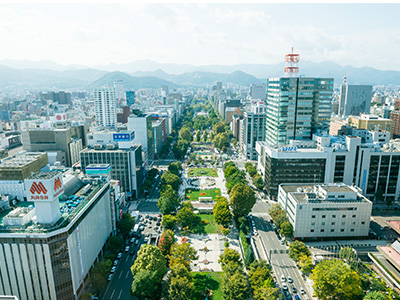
202	34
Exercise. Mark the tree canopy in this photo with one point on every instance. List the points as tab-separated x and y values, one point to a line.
150	258
222	214
169	201
242	200
171	179
126	224
298	249
166	241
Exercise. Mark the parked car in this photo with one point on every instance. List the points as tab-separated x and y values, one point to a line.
289	279
119	255
132	253
283	278
126	248
284	286
132	240
294	290
109	277
115	262
137	242
302	291
113	269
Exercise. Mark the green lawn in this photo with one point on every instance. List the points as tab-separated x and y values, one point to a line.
195	194
211	280
211	227
202	172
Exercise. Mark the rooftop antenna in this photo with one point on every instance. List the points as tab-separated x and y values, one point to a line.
291	61
345	79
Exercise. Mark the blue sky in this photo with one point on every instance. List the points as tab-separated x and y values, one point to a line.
99	34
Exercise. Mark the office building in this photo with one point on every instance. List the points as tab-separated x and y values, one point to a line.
395	117
297	107
325	210
105	104
366	159
258	91
122	117
158	136
130	98
252	129
126	165
59	97
355	99
141	124
62	145
370	122
46	252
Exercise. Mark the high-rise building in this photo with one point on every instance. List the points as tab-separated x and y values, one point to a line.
105	103
60	97
355	99
143	128
258	91
252	129
395	117
370	122
297	107
120	92
130	98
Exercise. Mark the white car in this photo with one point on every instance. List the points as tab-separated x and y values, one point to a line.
284	286
302	291
109	277
127	249
113	269
283	278
119	255
289	279
115	262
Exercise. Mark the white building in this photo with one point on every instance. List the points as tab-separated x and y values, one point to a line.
258	91
355	99
105	103
52	261
142	126
252	129
325	210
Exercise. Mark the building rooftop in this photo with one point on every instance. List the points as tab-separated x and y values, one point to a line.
20	160
43	175
70	208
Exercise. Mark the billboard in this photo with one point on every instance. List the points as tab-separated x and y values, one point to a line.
44	188
123	136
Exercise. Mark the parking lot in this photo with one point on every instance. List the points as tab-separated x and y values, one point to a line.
120	280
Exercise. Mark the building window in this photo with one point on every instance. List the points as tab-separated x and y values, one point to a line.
333	216
313	223
312	230
343	216
332	230
353	216
313	216
354	223
323	216
333	223
352	229
362	223
343	223
322	230
323	223
341	230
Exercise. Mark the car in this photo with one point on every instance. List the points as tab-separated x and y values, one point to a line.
132	240
137	242
159	215
109	277
127	248
284	286
113	269
141	228
146	240
294	289
115	262
282	242
289	279
302	291
296	297
273	227
132	253
147	234
158	223
119	255
155	228
283	278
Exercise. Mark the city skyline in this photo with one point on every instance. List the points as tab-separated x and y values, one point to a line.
95	35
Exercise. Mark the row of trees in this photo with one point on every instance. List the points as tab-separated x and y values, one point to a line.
256	178
280	220
299	252
233	175
169	201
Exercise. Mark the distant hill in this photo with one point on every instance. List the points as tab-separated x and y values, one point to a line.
131	82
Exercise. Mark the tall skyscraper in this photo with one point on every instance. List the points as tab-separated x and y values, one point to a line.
119	92
296	107
355	99
106	113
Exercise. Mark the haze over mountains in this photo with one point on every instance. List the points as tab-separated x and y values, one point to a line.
150	74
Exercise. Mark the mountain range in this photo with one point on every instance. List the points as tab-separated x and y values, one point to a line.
150	74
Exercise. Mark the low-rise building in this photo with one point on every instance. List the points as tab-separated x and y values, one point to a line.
325	210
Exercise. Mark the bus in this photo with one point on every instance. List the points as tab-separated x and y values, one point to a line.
135	230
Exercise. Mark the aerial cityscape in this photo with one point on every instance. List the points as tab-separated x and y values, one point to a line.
199	151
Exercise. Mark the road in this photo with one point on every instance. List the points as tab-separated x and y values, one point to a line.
281	263
119	286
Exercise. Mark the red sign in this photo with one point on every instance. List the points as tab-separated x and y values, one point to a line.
38	188
58	117
57	184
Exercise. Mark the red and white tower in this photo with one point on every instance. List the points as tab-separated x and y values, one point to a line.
291	60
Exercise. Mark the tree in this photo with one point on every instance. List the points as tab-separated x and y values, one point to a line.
182	253
286	229
305	263
185	134
248	256
146	285
169	221
258	273
205	135
218	128
114	244
150	258
258	182
180	148
298	249
175	167
242	200
230	261
198	136
98	274
374	295
169	201
126	224
236	287
333	279
181	288
266	292
348	254
170	179
221	141
222	214
186	216
166	241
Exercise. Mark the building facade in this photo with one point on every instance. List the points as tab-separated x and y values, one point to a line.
370	122
297	107
325	210
106	108
355	99
258	91
142	126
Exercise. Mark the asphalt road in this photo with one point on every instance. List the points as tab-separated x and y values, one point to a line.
280	262
119	286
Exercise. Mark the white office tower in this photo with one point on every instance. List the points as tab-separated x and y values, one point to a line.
355	99
120	92
106	113
258	91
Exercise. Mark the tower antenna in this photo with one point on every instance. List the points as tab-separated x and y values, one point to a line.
291	61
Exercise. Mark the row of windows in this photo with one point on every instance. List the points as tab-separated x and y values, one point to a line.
334	223
332	230
333	216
